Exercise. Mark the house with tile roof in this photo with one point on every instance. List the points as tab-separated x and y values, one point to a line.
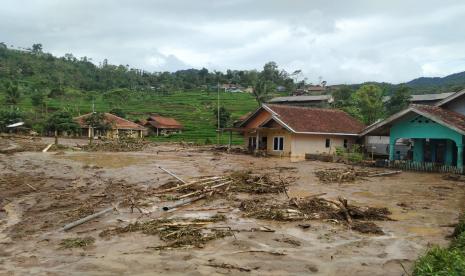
295	131
119	127
436	132
159	125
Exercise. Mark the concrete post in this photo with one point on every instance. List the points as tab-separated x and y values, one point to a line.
257	143
459	155
392	148
418	150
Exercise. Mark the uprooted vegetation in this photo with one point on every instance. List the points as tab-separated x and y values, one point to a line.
176	233
238	182
340	175
77	242
317	208
116	145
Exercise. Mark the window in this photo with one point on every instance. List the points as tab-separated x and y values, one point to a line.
278	143
328	143
252	142
345	143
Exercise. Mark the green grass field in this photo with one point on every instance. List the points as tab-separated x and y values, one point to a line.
192	109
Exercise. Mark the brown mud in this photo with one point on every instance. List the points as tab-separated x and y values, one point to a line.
40	192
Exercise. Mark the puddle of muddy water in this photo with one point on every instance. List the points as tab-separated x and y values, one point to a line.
105	160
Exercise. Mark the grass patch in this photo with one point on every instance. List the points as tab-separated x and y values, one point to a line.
194	109
444	261
77	242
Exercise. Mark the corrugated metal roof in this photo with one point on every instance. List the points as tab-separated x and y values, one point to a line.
301	99
425	97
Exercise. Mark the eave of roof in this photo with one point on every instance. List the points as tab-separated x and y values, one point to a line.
416	109
275	116
451	98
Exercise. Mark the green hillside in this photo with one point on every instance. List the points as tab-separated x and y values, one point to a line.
193	109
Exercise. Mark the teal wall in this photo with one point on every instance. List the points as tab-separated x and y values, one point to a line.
419	128
426	129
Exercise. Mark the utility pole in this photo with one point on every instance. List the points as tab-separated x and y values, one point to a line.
218	115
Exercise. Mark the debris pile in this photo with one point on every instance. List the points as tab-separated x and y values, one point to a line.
316	208
175	233
117	145
352	174
77	242
247	182
240	182
340	175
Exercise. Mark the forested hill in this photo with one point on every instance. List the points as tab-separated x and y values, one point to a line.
33	68
452	82
425	85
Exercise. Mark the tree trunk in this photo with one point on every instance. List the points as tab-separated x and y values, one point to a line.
56	137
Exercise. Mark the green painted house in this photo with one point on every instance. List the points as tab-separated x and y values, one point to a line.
436	132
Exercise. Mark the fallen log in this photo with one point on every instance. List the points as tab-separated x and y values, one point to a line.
47	148
183	202
172	174
86	219
384	173
190	184
206	190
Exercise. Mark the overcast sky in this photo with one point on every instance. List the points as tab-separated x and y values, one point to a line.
341	41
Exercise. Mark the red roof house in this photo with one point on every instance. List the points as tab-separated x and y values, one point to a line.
160	125
118	127
295	131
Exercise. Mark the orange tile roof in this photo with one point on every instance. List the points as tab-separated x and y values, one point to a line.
312	120
164	122
115	121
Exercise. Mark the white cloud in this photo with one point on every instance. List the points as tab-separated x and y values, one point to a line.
344	42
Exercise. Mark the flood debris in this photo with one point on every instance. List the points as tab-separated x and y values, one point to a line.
367	227
236	182
229	266
351	174
77	242
176	233
123	144
313	208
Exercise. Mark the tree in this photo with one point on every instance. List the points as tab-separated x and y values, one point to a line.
399	100
261	91
13	95
225	117
342	97
37	48
61	121
368	101
96	121
38	99
118	112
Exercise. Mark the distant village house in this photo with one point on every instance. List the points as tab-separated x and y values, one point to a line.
159	125
119	127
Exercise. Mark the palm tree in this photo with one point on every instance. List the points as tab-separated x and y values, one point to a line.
13	95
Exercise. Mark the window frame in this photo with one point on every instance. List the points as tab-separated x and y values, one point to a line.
280	145
328	143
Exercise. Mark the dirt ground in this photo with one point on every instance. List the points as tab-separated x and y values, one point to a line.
41	192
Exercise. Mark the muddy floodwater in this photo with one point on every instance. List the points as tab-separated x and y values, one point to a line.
41	192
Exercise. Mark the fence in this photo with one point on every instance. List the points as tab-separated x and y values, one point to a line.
419	166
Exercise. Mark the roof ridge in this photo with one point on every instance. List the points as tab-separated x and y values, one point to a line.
307	107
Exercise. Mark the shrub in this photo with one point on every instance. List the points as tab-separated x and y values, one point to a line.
440	261
460	227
